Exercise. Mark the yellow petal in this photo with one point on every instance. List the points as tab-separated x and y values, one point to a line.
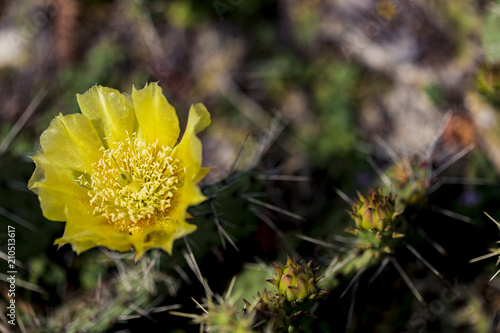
110	112
67	149
70	142
189	195
189	154
189	150
156	117
84	231
161	237
199	118
201	174
57	189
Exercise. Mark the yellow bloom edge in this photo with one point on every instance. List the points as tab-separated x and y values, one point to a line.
71	147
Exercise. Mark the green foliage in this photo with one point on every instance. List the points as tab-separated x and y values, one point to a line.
333	87
436	94
488	83
490	33
44	272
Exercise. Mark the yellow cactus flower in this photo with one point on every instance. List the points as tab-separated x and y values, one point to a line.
115	174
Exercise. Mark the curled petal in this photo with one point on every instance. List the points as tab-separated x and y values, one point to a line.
189	153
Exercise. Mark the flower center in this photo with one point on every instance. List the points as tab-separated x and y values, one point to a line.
133	184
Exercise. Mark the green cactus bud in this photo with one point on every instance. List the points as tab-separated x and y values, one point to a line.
374	211
295	281
296	291
376	217
366	218
303	287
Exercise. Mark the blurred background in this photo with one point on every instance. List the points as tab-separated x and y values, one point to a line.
331	93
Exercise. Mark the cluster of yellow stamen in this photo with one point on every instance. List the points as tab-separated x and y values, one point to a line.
133	185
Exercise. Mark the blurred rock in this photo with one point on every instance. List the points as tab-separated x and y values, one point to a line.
404	118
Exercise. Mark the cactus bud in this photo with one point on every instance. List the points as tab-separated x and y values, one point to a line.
296	290
376	217
295	281
374	211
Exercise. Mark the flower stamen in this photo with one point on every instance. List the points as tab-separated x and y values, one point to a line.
133	184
